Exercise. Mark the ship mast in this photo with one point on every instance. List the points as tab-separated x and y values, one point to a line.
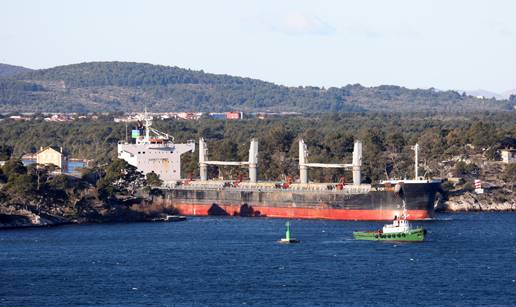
148	123
416	156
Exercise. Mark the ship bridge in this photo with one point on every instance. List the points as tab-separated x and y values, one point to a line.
155	151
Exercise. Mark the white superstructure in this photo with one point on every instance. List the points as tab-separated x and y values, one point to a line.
400	224
155	151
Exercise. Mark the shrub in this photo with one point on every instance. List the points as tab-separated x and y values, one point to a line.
463	169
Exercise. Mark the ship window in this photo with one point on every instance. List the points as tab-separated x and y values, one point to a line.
139	152
144	152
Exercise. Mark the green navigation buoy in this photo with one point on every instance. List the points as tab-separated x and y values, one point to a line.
287	239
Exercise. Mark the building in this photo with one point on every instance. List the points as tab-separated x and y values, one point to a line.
59	118
188	115
214	115
126	119
52	155
20	118
509	155
234	115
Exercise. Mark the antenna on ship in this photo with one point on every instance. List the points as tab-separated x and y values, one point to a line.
405	214
148	123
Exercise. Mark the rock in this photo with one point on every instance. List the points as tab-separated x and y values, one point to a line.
476	202
11	217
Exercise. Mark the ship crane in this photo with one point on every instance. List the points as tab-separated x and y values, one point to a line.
355	165
252	162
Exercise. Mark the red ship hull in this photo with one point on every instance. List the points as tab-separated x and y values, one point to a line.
191	209
353	203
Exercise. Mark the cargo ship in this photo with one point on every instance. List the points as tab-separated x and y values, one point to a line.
155	151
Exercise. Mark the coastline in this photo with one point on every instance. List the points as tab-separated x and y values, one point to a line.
146	211
137	210
472	202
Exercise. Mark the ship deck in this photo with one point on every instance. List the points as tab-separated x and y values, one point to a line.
330	188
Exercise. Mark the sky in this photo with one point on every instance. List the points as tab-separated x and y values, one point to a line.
459	44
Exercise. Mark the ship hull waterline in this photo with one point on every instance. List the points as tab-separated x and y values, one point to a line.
190	209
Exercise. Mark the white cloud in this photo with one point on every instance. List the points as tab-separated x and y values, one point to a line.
298	23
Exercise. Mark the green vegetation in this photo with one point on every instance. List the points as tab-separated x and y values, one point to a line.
387	141
509	174
466	169
153	180
118	179
109	195
5	152
123	86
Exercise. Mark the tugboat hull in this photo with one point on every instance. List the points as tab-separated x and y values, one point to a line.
414	235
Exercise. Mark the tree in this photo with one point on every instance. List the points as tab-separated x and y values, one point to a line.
119	178
13	167
5	152
22	185
153	180
466	169
40	172
482	134
509	174
395	141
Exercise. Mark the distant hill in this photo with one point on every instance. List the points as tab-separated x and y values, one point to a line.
485	94
489	94
508	93
122	86
7	70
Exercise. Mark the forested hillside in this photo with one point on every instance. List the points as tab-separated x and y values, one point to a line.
122	86
387	139
7	70
467	147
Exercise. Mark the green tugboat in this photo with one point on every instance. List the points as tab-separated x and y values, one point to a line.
287	239
400	230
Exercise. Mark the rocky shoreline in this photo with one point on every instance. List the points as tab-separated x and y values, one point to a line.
468	201
25	219
11	217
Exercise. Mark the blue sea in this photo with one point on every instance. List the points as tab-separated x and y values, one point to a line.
468	259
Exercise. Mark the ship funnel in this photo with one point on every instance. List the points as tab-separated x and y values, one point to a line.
357	162
253	160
